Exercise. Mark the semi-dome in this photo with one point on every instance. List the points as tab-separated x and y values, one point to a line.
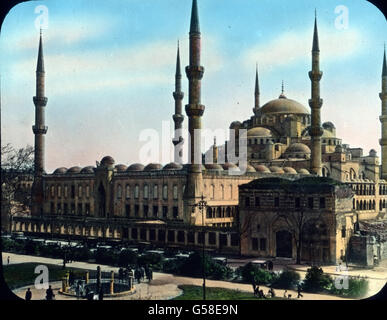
290	170
107	161
61	170
298	147
328	125
303	171
276	169
261	168
73	170
235	124
213	167
121	167
259	132
173	166
153	167
372	153
283	105
135	167
89	169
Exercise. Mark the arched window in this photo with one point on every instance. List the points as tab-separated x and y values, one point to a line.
230	187
65	191
127	191
212	191
175	192
146	191
209	213
136	191
380	205
222	191
155	191
358	205
165	192
354	203
52	191
59	191
80	192
87	191
119	192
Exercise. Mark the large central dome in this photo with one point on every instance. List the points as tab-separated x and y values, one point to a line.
283	105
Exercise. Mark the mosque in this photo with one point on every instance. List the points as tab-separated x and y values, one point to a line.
159	205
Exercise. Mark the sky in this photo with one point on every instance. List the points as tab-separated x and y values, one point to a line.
110	70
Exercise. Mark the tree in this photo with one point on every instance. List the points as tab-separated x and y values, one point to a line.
16	169
316	281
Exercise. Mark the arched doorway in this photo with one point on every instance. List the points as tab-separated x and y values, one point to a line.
284	246
102	200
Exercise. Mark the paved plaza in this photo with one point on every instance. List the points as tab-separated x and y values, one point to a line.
165	286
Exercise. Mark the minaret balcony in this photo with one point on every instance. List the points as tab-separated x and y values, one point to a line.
315	103
39	129
194	72
383	118
383	95
178	95
315	75
178	118
316	131
194	110
40	101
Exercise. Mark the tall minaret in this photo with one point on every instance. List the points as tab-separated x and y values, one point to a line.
194	110
39	130
178	117
383	118
315	104
256	92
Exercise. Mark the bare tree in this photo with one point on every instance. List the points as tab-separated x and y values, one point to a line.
16	175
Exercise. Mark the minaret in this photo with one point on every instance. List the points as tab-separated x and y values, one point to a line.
194	110
215	152
383	118
256	92
39	130
315	104
178	117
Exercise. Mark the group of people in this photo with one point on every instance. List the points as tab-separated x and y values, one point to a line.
49	294
139	273
260	294
299	294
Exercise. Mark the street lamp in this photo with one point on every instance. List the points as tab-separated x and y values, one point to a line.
202	205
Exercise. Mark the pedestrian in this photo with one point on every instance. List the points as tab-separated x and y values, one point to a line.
271	292
299	292
261	294
150	274
286	294
8	260
100	295
28	295
50	294
256	291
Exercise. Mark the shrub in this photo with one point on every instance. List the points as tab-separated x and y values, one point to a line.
251	273
127	257
104	256
287	279
357	288
316	281
152	259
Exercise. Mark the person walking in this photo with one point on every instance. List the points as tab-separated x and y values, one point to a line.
286	294
28	295
50	294
299	292
8	260
100	295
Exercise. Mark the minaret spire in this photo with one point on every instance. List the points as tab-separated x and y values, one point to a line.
194	110
383	117
315	104
256	91
39	130
178	117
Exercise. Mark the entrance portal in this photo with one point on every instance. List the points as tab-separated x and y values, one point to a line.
284	244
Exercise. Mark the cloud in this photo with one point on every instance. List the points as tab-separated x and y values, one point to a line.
291	47
143	65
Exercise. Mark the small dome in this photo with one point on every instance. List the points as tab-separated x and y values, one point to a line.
107	161
135	167
89	169
328	134
213	167
372	153
298	148
61	170
290	170
121	167
153	167
173	166
73	170
235	124
229	165
276	169
259	132
250	168
303	171
328	125
261	168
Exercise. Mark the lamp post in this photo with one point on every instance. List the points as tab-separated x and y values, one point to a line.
202	205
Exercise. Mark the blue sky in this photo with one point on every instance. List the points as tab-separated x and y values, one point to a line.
110	69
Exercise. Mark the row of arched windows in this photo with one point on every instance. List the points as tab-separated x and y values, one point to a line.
68	191
366	189
147	192
368	205
220	212
210	192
